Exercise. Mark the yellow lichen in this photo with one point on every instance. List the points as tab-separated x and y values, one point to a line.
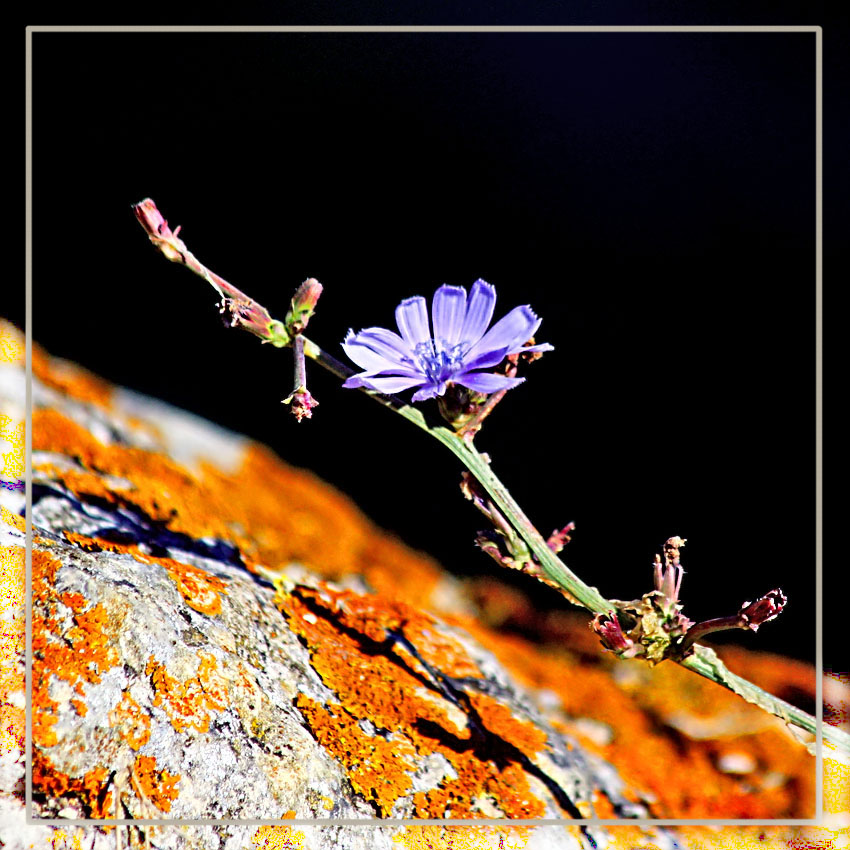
463	838
12	621
278	838
11	344
12	435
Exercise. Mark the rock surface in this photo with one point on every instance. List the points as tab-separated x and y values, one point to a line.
219	636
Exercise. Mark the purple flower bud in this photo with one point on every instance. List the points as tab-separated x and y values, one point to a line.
763	609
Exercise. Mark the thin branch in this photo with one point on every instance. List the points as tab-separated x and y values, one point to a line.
254	318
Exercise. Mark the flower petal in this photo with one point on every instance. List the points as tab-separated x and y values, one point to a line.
448	310
377	349
429	391
510	332
387	384
479	311
412	319
541	346
485	360
486	382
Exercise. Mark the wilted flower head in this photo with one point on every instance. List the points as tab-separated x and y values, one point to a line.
764	609
607	626
455	352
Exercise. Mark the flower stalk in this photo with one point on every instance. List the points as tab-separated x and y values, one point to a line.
514	524
300	400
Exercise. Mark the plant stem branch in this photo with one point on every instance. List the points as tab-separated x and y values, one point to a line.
703	661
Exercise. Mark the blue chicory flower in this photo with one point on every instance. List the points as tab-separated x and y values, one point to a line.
455	353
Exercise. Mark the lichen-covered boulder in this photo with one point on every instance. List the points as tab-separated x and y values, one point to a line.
216	635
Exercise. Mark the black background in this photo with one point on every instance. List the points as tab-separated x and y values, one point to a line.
651	195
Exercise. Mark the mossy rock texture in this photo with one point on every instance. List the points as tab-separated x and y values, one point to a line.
217	635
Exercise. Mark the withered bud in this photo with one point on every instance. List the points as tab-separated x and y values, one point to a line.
607	626
763	609
558	539
472	490
668	576
302	404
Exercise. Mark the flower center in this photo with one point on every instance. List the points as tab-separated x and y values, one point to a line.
439	360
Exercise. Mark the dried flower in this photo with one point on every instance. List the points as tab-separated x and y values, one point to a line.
300	399
558	539
607	626
459	347
668	577
302	403
763	609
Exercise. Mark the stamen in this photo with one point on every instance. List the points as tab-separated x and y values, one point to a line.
438	360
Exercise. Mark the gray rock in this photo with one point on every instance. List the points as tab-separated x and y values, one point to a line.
172	679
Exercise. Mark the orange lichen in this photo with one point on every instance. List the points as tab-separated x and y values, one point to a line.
133	723
90	789
201	590
273	513
378	769
643	746
70	379
189	703
156	786
80	707
278	838
350	637
80	654
496	717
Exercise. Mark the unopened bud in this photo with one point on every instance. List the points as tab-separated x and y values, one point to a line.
303	305
158	230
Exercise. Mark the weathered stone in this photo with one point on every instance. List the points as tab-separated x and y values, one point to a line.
173	680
